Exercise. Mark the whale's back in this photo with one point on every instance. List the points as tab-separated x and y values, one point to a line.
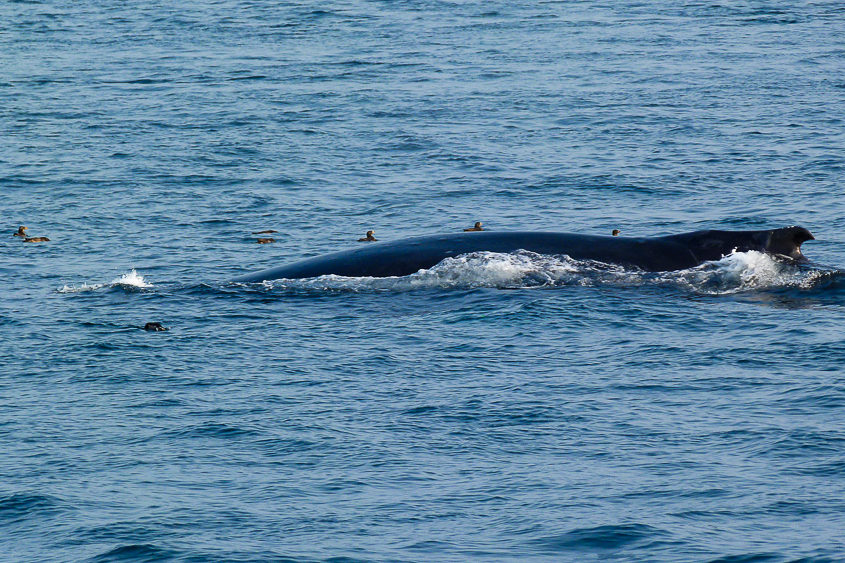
407	256
675	252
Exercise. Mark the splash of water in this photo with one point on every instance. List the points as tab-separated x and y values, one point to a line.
737	272
129	280
741	272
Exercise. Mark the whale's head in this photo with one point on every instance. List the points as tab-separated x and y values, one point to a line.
713	245
787	241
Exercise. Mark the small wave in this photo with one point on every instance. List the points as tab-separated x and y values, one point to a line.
130	280
135	552
599	538
739	272
753	558
209	430
19	506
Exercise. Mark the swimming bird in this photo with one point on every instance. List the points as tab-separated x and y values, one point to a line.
616	232
476	227
267	232
36	239
155	327
369	237
20	232
266	240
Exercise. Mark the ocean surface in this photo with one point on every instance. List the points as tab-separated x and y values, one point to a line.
493	408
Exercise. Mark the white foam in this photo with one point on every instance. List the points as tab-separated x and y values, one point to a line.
491	269
79	288
737	272
477	269
131	279
742	271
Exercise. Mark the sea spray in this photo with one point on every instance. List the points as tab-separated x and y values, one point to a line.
129	280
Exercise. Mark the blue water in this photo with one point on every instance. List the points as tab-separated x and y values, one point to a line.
496	407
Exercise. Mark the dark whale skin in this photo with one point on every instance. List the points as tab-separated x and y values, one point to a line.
655	254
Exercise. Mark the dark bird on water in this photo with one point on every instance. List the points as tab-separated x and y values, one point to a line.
267	232
369	237
265	240
476	227
616	232
26	238
155	327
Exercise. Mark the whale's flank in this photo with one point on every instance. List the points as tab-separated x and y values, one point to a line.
673	252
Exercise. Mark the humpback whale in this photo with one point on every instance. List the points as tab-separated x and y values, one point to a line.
655	254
